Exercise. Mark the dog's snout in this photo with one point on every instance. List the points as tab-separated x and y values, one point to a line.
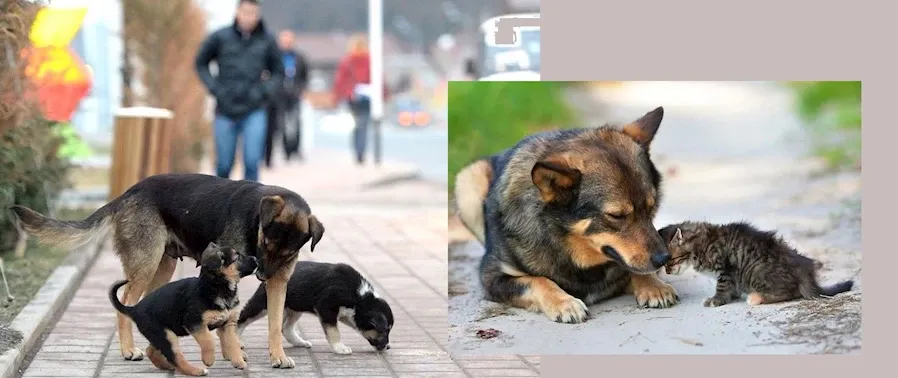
659	259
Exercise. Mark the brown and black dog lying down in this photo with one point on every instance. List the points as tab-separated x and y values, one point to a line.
566	219
166	217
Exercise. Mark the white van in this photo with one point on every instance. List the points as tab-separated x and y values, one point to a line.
507	63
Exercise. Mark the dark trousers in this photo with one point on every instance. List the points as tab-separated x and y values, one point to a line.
227	131
277	123
361	112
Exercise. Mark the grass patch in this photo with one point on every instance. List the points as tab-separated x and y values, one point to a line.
88	177
832	114
28	274
487	117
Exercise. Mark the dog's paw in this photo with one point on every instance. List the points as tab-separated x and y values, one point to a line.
158	360
203	372
566	309
294	339
208	357
714	302
341	349
239	363
658	294
300	343
281	361
132	354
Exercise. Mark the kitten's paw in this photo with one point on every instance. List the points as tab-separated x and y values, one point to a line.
341	349
714	302
754	299
565	308
657	294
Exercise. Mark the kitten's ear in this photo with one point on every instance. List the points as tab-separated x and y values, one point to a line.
678	236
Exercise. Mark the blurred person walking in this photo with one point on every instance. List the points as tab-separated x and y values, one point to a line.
243	52
284	114
352	85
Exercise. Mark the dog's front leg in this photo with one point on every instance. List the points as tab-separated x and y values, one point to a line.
506	284
230	342
329	318
276	290
206	341
651	291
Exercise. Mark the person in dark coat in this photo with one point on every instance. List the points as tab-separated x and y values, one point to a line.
284	114
243	52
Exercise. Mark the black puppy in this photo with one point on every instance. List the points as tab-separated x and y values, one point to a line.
191	306
335	292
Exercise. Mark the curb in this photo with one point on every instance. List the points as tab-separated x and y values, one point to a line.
41	311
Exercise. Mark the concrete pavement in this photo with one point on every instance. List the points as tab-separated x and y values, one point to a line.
394	234
729	151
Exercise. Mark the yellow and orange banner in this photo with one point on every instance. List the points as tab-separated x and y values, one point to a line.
61	79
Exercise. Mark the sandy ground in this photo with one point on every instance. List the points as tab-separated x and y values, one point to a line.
729	152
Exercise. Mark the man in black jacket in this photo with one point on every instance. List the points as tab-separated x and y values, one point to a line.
242	51
284	113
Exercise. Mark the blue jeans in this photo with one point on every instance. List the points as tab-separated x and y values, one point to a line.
253	126
361	112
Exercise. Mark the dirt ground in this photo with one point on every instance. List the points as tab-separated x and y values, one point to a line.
729	176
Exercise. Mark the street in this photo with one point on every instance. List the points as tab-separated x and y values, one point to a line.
423	147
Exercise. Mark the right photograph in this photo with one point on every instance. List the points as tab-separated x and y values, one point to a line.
654	217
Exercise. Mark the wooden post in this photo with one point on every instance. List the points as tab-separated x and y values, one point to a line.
141	147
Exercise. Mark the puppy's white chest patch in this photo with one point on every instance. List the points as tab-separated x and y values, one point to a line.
347	316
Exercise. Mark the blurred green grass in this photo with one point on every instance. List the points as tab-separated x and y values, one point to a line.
488	117
832	114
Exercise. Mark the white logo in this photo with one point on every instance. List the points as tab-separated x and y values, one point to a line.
505	31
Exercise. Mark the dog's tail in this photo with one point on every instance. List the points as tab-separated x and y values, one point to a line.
113	297
471	186
63	234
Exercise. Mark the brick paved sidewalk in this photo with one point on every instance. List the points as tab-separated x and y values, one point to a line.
401	249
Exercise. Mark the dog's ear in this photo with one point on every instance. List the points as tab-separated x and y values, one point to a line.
212	258
269	208
678	236
557	182
643	129
317	231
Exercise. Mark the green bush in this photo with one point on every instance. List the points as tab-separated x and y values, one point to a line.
487	117
832	112
31	171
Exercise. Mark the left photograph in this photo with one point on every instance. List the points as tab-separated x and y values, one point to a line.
233	188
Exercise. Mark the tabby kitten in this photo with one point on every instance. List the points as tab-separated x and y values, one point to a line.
745	260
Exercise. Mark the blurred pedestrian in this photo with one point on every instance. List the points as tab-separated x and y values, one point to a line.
352	85
243	52
284	114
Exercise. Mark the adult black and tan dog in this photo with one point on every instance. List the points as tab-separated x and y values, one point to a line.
566	219
193	306
166	217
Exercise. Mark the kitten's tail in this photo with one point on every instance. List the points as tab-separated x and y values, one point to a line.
811	290
840	287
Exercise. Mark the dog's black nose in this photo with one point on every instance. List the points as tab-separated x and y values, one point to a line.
659	259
